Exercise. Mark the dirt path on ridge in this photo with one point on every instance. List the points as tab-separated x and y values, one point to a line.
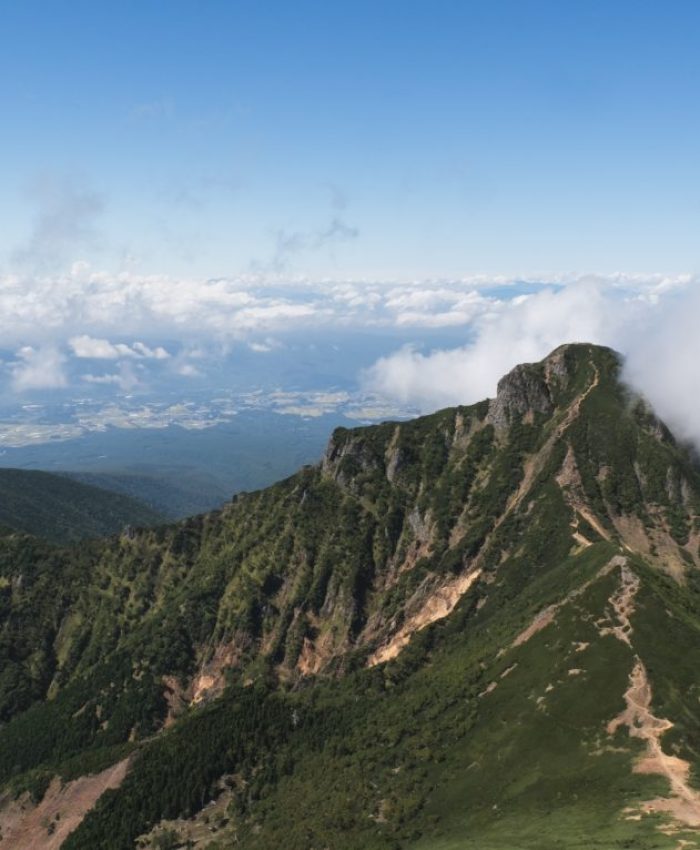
535	464
683	803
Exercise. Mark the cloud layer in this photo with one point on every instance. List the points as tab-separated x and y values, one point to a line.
87	327
86	303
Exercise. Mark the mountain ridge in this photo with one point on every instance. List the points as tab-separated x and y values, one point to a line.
420	607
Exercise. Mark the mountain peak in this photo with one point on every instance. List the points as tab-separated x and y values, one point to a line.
540	387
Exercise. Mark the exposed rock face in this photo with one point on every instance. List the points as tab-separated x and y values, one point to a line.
555	366
522	390
537	387
353	448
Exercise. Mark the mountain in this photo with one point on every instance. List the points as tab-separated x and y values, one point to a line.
171	493
63	511
477	629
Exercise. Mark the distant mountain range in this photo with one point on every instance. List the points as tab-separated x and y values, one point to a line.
478	629
61	510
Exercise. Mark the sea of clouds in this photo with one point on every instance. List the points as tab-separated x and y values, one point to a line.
125	323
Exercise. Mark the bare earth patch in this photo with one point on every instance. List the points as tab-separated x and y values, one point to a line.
437	606
541	621
197	833
490	688
315	654
683	804
569	480
211	679
26	826
656	543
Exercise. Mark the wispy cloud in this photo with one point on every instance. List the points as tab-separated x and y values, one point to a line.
290	243
67	212
154	110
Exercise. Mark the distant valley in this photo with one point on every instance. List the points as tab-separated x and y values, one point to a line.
179	471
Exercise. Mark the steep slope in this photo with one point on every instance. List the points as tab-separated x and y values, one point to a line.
64	511
479	628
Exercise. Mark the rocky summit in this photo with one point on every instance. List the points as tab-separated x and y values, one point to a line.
479	629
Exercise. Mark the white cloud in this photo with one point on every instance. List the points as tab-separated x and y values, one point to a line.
187	370
126	379
101	379
87	347
38	369
84	303
663	355
142	350
264	346
521	330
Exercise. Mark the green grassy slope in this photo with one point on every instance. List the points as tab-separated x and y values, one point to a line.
559	496
63	511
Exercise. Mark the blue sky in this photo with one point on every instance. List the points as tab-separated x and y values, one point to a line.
372	140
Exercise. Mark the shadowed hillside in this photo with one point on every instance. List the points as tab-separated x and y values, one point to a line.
64	511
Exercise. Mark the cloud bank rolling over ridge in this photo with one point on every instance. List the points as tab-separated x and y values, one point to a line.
653	326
